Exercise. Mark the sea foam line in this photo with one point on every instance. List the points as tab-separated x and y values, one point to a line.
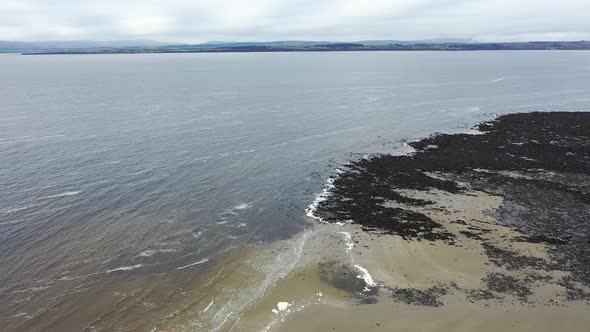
319	198
275	270
150	253
348	240
366	276
126	268
233	210
204	260
21	208
65	194
208	306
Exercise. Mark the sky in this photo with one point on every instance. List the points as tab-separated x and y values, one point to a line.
195	21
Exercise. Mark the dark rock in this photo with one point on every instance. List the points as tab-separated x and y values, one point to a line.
429	297
538	162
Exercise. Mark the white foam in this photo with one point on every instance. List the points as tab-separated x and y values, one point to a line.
208	306
312	208
243	206
203	158
67	278
32	289
281	306
126	268
20	208
17	209
233	210
21	314
473	132
197	235
366	276
150	253
65	194
204	260
348	240
245	151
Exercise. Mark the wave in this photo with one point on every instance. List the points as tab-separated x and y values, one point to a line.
208	306
245	151
33	139
32	289
203	159
16	138
137	173
383	87
322	196
150	253
65	194
243	206
234	211
13	222
125	268
20	208
202	261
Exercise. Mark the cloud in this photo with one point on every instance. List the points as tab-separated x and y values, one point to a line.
346	20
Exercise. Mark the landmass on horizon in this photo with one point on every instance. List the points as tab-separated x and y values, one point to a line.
152	46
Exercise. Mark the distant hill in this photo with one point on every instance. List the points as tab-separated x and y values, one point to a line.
56	46
19	46
309	43
281	43
415	42
142	46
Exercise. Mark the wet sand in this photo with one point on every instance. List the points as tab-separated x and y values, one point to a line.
420	285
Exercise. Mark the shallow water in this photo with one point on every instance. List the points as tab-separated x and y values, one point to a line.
133	183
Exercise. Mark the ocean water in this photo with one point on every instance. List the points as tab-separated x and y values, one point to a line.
133	187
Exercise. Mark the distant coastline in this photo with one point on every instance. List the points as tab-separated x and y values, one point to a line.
323	47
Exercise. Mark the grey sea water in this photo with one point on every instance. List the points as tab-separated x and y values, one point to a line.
126	178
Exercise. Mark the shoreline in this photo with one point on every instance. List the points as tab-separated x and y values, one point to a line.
445	244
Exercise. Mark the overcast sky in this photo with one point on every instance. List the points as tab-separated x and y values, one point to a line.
264	20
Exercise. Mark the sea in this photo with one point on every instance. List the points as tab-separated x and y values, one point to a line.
144	192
